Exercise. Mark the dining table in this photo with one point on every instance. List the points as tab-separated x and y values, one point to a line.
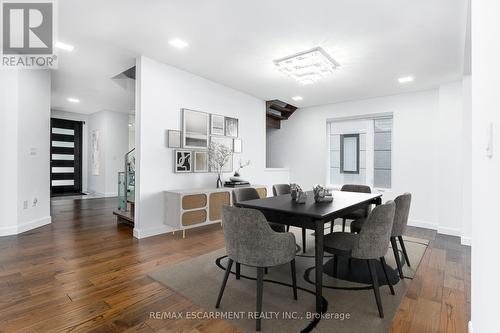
312	215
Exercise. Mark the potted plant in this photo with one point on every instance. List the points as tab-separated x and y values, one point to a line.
218	156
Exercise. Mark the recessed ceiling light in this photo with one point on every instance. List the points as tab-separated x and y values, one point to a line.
307	67
297	98
64	46
405	79
73	100
178	43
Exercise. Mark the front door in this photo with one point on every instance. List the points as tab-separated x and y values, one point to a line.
65	157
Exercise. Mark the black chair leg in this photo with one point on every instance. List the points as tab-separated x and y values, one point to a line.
404	250
343	225
287	228
294	279
384	267
226	275
303	240
331	226
373	273
238	271
335	264
265	270
260	289
396	256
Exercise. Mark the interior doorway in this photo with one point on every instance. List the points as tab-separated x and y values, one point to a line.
65	157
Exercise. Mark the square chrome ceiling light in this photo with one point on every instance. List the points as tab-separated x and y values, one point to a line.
307	67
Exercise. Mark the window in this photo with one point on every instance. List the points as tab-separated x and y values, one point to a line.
349	153
360	152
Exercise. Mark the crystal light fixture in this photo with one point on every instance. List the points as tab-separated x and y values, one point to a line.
307	67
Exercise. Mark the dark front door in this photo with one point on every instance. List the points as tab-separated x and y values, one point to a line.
65	157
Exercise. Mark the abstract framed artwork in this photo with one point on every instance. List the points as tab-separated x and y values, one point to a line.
200	161
231	125
195	128
183	161
237	148
217	125
174	139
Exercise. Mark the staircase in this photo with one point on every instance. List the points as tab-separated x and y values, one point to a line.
126	191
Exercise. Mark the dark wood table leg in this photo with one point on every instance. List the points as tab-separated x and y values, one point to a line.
318	249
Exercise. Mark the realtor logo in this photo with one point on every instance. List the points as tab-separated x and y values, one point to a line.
28	34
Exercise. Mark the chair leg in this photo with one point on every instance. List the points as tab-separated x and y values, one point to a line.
343	225
335	264
260	289
384	267
331	226
294	279
287	228
303	240
373	273
238	270
404	250
265	270
226	275
396	256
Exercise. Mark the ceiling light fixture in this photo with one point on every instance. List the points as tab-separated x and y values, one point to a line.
73	100
307	67
64	46
405	79
297	98
178	43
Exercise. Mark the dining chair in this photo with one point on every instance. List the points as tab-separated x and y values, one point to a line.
282	189
359	213
250	241
403	203
371	244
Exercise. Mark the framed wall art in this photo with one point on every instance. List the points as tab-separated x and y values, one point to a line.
195	128
183	161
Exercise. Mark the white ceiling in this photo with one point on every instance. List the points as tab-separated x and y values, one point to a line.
234	43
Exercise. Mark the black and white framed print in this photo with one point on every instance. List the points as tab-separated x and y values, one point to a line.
237	145
195	127
227	142
231	125
183	161
200	161
174	139
217	125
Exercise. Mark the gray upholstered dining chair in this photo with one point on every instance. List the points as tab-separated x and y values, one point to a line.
403	203
371	244
282	189
359	213
250	241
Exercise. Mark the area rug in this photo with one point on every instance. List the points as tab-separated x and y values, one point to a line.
348	299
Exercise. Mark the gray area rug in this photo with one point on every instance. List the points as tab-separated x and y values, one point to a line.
351	302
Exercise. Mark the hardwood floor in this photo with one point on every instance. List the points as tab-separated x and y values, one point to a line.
85	273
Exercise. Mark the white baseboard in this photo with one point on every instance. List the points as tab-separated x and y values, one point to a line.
442	230
27	226
423	224
449	231
466	240
144	233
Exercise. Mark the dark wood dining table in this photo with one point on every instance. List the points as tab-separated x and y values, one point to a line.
312	215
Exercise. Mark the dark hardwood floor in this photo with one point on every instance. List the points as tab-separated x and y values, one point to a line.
85	273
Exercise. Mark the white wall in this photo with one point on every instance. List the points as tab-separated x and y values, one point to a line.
162	91
485	170
85	139
427	154
113	138
25	150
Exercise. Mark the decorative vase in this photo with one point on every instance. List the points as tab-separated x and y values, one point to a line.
219	181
